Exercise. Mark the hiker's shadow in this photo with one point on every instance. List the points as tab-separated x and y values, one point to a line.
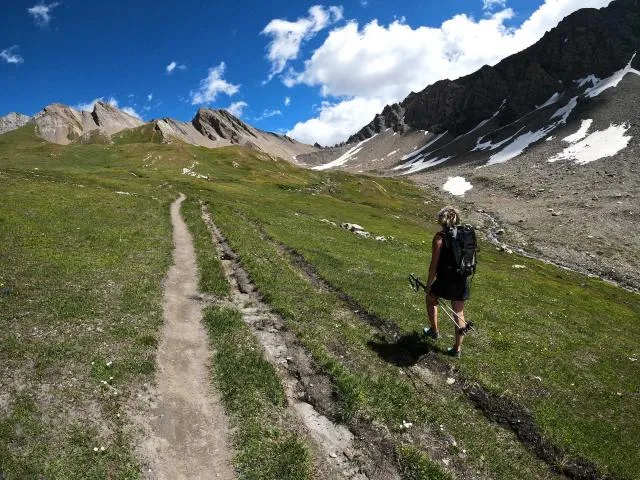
403	352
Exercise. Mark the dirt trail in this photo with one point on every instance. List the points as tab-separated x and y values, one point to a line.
339	452
187	435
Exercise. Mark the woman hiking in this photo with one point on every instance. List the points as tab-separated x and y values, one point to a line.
445	283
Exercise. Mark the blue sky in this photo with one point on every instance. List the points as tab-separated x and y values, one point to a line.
337	62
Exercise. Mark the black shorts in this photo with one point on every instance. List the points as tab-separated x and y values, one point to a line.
451	288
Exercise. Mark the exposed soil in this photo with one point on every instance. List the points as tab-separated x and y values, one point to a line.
358	454
187	428
409	351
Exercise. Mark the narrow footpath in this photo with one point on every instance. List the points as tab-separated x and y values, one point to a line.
188	429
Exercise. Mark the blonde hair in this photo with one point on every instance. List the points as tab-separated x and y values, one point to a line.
448	217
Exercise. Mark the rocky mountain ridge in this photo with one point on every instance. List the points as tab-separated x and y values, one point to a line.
211	128
13	120
214	128
58	123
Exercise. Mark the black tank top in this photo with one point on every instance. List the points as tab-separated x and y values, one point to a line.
446	260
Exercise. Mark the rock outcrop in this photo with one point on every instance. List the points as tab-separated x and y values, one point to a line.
110	119
214	128
62	124
12	121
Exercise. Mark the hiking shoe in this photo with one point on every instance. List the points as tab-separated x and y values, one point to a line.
452	352
431	333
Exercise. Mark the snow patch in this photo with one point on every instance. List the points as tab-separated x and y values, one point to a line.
489	145
599	86
423	165
581	133
600	144
424	147
553	99
338	162
565	111
392	153
457	186
518	145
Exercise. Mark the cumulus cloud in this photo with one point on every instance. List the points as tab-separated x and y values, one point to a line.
287	101
488	5
336	121
8	55
213	85
41	13
149	97
237	108
287	36
386	63
175	65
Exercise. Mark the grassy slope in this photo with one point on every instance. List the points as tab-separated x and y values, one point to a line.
84	266
549	339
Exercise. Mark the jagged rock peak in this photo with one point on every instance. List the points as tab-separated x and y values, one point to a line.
111	119
62	124
218	124
12	121
392	116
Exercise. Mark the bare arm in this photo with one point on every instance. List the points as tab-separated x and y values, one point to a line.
436	247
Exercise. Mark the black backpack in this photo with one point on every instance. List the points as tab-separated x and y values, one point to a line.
461	241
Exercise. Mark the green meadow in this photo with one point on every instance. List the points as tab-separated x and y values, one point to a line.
86	242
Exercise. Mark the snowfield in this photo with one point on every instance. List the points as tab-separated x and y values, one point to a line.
599	144
457	186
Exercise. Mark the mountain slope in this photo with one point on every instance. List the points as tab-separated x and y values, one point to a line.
547	142
567	62
12	121
62	124
209	128
219	128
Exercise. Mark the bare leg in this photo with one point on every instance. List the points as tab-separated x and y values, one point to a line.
432	311
458	310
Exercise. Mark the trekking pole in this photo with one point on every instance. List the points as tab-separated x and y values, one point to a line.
449	312
417	284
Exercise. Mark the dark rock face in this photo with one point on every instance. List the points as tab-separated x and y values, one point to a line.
220	124
589	41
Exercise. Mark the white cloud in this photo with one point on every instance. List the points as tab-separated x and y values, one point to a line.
211	86
88	107
336	121
386	63
132	112
287	36
267	114
488	5
287	101
364	3
149	97
237	108
41	13
8	55
173	65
